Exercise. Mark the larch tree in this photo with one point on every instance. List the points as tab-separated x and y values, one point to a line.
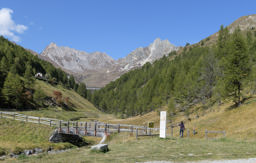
236	67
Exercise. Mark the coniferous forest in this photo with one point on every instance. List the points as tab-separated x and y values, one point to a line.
17	73
198	74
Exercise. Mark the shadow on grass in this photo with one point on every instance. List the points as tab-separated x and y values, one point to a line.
244	101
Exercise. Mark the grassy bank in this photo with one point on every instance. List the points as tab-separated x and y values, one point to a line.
239	123
124	148
16	136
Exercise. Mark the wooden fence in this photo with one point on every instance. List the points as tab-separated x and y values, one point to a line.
82	128
96	128
194	132
214	132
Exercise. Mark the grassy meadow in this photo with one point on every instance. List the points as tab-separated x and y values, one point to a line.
15	136
124	148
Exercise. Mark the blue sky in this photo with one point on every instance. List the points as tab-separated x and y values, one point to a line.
116	27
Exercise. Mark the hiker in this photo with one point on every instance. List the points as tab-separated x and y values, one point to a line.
182	128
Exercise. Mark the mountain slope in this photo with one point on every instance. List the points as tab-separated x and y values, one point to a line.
81	109
18	70
98	69
244	23
197	75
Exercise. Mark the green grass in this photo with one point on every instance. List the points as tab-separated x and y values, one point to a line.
124	148
15	136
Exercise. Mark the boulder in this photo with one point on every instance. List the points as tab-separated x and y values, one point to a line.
12	155
38	150
28	152
2	158
100	148
77	140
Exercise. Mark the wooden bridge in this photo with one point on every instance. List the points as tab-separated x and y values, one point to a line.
82	128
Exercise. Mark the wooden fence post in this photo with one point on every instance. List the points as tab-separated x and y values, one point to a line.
26	118
105	130
118	128
95	129
146	130
149	131
136	133
59	126
206	134
188	133
76	127
68	127
14	116
131	129
38	120
1	114
50	123
85	128
171	130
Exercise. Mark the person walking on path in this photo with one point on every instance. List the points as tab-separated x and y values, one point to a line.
182	128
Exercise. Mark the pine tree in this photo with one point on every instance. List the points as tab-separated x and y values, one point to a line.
236	67
4	64
29	80
81	90
71	82
222	42
13	90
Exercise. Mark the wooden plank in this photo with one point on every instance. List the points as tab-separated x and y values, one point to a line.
32	117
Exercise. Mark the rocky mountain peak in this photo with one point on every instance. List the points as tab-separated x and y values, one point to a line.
244	23
97	68
52	45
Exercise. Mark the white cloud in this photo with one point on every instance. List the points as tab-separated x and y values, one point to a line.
8	27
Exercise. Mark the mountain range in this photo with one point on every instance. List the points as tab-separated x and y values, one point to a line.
98	69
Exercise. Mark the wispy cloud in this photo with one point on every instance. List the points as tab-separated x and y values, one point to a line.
8	27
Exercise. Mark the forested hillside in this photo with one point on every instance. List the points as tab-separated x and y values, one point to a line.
17	73
199	75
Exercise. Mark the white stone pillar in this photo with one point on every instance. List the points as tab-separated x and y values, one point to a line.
163	124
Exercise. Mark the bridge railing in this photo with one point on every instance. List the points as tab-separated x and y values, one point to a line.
81	128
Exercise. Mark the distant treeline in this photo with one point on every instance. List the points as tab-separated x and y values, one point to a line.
197	75
17	73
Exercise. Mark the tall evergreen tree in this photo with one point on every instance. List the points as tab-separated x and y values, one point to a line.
13	90
81	90
29	79
236	67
